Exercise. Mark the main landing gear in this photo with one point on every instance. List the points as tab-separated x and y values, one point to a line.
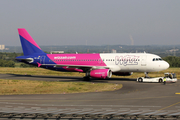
86	78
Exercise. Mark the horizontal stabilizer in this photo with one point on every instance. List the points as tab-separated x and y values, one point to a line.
29	60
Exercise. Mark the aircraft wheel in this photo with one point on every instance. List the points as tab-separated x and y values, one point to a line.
140	80
160	80
86	78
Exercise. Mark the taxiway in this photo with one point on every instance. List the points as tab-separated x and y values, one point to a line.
133	96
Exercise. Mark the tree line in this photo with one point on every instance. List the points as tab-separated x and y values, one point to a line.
8	60
173	61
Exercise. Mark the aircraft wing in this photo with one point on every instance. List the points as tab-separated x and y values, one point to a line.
84	67
76	66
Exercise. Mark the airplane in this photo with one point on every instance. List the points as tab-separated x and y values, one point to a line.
94	65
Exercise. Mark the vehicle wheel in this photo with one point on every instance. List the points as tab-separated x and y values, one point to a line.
160	80
140	80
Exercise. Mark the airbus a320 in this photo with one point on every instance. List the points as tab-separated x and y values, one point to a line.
95	65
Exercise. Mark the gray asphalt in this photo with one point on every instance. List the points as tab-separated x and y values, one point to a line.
133	96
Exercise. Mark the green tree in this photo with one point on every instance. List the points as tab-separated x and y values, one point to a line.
173	61
7	63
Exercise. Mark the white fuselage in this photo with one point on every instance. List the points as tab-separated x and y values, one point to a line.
134	62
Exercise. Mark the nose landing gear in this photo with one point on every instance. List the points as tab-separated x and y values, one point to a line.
146	75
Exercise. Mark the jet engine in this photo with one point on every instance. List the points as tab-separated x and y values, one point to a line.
122	73
100	73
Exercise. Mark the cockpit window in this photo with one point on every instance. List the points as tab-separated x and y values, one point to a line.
157	59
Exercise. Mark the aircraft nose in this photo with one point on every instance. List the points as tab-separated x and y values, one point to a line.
166	65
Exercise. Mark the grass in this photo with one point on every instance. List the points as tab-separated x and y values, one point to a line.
40	71
36	71
11	87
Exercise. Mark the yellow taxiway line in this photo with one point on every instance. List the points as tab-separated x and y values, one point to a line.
169	106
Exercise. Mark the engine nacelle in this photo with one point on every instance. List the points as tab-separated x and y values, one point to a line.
100	73
122	73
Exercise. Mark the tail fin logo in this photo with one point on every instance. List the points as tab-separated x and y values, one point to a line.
29	46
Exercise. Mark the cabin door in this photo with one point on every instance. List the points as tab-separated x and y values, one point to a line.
143	60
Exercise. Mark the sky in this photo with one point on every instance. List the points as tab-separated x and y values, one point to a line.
91	22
